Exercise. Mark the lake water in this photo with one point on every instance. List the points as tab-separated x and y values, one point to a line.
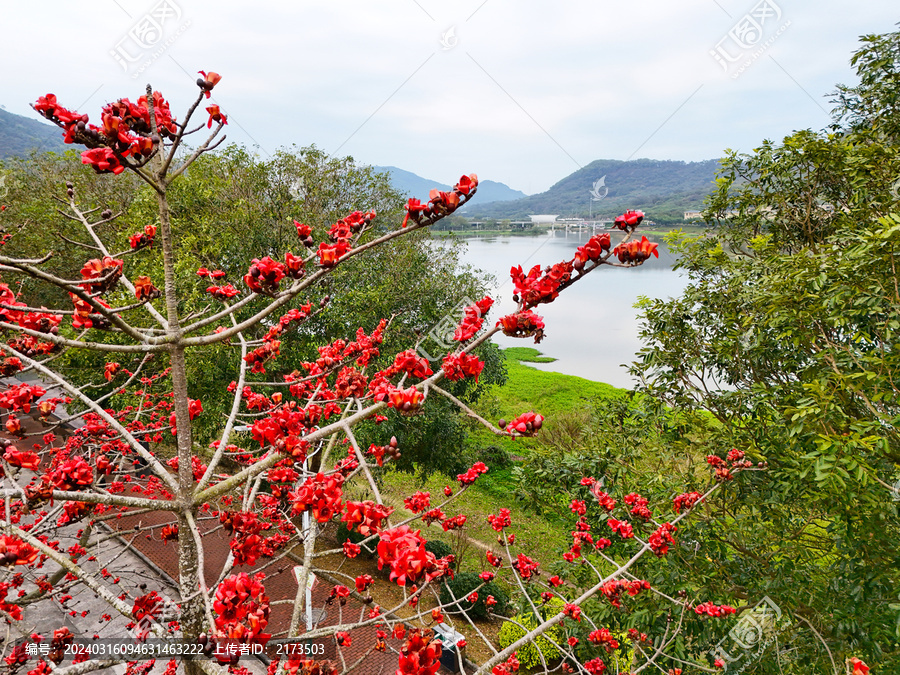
592	327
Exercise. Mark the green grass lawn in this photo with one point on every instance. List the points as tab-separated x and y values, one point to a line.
545	392
527	388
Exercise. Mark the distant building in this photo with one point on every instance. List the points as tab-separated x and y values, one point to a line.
692	215
543	218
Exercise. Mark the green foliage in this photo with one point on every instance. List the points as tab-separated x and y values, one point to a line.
528	653
559	393
495	457
441	549
873	106
630	442
784	345
617	661
462	585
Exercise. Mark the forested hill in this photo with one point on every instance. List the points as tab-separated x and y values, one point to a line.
663	189
19	135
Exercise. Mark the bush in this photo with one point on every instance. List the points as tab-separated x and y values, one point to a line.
462	586
528	653
343	534
441	549
495	457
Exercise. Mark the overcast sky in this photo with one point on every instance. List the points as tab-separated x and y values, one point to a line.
519	91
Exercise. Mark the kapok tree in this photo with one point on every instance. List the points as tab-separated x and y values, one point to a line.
99	457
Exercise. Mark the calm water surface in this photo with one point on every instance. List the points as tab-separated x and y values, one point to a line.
592	328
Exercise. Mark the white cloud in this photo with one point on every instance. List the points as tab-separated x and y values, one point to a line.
523	78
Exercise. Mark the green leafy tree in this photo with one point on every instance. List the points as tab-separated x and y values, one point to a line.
784	345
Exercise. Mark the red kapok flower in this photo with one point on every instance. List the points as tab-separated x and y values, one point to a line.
526	424
403	550
501	520
351	550
411	364
420	654
215	115
406	402
713	610
523	324
303	231
636	251
242	609
102	160
572	611
169	533
263	275
458	366
74	472
621	527
210	80
14	551
365	517
467	184
685	501
25	460
473	319
110	370
660	540
418	502
149	605
629	220
329	255
321	494
144	289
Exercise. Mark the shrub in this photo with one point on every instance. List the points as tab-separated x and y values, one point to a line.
343	534
495	457
441	549
462	586
528	654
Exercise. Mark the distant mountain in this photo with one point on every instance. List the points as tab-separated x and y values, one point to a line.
663	189
416	186
19	135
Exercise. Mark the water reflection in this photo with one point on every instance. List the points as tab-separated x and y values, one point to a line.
592	327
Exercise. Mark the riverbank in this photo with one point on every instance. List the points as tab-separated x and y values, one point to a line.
554	395
531	232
